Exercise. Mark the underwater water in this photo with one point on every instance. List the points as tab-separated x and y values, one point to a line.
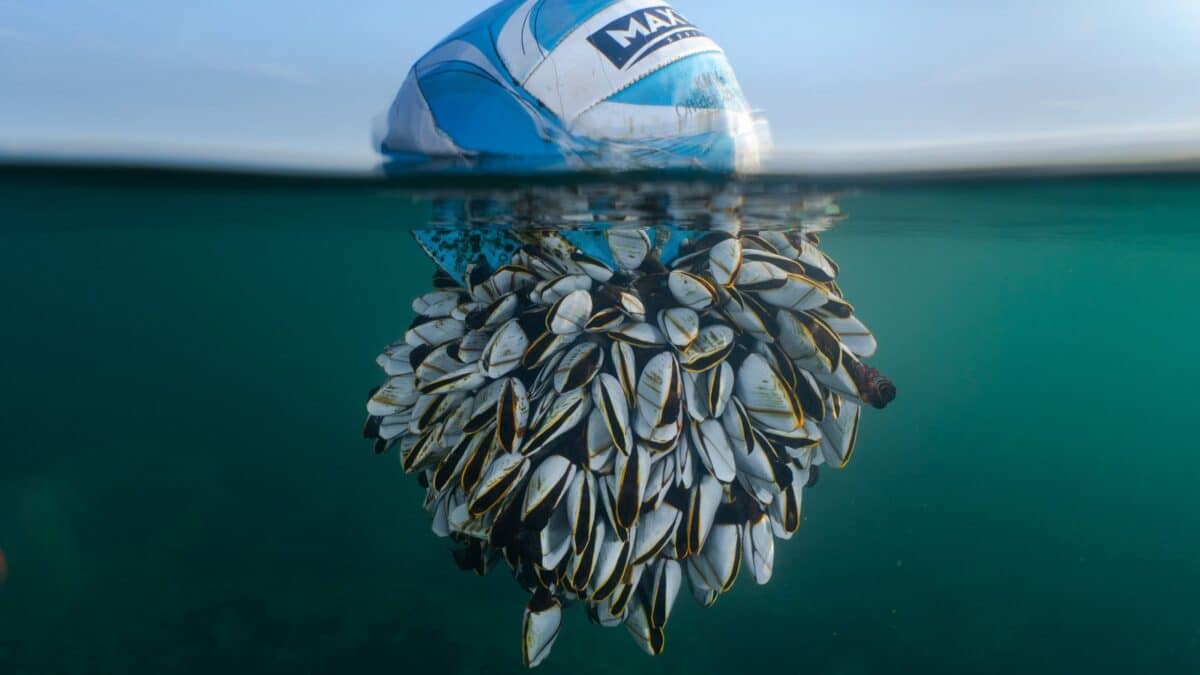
184	486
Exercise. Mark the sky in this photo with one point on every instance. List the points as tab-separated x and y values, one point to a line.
851	84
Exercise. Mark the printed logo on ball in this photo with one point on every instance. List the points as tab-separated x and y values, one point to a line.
634	36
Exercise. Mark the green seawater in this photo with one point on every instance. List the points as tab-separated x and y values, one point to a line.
184	488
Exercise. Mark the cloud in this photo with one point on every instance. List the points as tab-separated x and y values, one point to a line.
264	70
281	73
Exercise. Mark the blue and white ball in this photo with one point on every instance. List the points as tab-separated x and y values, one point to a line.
614	84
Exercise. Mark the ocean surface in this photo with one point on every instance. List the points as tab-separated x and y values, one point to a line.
184	486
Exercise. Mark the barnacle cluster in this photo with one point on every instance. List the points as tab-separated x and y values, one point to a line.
608	420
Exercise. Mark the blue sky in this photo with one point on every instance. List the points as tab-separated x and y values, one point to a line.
858	80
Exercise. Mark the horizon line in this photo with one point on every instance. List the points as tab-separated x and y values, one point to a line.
1102	147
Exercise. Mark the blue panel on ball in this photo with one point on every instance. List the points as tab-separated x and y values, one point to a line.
480	114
